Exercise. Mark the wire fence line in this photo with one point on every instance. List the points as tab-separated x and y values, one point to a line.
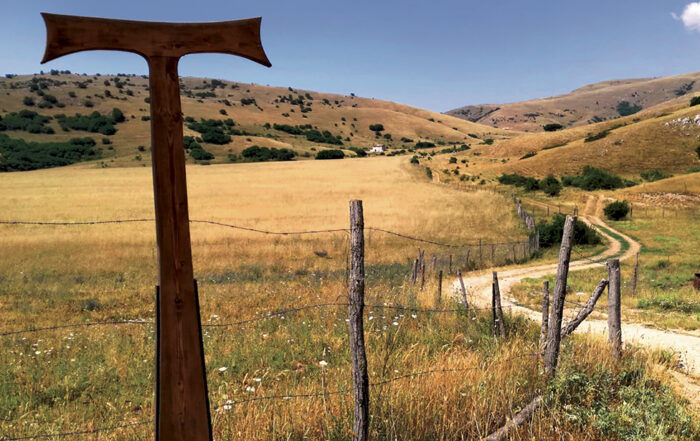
261	231
267	315
230	403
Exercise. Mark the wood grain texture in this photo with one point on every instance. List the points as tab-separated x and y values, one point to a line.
182	401
66	34
551	353
586	310
499	329
614	313
545	314
360	377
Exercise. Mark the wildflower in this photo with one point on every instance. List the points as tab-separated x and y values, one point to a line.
258	380
223	369
250	389
395	323
414	316
227	407
323	363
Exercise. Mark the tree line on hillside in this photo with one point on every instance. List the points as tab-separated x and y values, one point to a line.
20	155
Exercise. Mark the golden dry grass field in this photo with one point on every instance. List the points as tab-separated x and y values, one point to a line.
89	378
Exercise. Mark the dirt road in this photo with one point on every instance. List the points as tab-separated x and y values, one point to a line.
686	344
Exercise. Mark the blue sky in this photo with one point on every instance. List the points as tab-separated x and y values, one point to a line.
437	55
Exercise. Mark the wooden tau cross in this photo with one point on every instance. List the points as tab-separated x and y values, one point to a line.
182	402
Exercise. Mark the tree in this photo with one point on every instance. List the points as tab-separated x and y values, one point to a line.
616	210
553	127
118	115
330	154
550	185
376	127
694	101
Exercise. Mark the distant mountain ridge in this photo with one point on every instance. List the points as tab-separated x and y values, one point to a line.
588	104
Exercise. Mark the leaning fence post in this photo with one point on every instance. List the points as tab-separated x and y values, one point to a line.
545	314
439	288
634	275
414	274
551	355
464	290
360	384
422	276
498	325
614	319
467	263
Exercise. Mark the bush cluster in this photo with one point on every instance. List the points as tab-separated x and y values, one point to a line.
592	178
195	149
361	153
424	145
330	154
27	121
19	155
93	123
213	131
311	134
553	127
624	108
260	154
654	175
616	210
551	233
550	185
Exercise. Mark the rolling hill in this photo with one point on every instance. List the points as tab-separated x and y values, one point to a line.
589	104
273	117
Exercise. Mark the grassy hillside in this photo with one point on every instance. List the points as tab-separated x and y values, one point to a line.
663	138
253	109
589	104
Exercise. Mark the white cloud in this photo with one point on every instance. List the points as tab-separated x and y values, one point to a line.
690	16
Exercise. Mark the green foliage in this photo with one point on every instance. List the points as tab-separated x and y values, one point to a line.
118	116
697	149
654	175
453	160
361	153
616	210
414	160
199	154
553	127
28	101
550	185
259	154
330	154
528	155
487	141
526	182
694	101
551	233
93	123
248	101
424	145
376	127
596	136
550	147
311	134
212	131
19	155
27	121
592	178
429	173
624	108
669	302
625	404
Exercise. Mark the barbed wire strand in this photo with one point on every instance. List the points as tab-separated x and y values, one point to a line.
77	433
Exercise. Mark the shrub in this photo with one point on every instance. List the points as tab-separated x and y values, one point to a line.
592	178
654	175
27	121
93	123
199	154
551	233
697	149
453	160
414	160
596	136
118	116
259	154
694	101
624	108
212	131
28	101
553	127
487	141
616	210
376	127
528	155
19	155
429	173
550	185
424	145
330	154
106	141
361	153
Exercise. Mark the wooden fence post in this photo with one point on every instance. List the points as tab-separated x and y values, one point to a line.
464	290
498	325
480	253
414	274
634	275
467	260
434	262
439	288
360	383
450	264
551	355
422	276
545	315
614	319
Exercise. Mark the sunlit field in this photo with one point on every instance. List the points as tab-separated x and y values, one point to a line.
258	358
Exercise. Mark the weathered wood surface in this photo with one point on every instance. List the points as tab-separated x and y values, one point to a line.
360	377
182	400
551	353
545	314
614	314
518	420
438	296
464	290
499	329
586	310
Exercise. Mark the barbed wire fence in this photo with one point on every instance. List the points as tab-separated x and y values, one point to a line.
439	260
